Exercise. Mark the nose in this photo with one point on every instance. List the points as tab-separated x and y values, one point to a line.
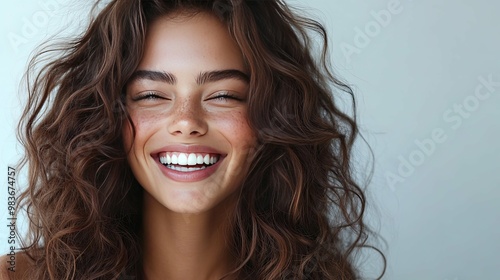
188	120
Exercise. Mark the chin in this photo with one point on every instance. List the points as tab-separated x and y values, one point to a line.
196	201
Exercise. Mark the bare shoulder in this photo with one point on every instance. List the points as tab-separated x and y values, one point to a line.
14	266
4	268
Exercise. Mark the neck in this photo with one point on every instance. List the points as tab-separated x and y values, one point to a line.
185	246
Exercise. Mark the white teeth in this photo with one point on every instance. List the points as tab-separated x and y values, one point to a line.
191	160
187	159
163	160
185	169
199	159
182	159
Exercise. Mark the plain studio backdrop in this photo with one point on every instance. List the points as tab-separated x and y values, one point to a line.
426	75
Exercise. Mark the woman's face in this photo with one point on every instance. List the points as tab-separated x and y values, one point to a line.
187	101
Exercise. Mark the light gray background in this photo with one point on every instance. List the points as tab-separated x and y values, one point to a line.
410	74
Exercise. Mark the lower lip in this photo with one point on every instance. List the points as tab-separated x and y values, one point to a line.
191	176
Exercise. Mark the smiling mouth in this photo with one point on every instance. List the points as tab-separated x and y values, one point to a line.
187	162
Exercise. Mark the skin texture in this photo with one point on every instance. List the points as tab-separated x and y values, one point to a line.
185	223
4	272
21	265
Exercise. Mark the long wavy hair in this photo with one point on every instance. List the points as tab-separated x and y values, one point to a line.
300	213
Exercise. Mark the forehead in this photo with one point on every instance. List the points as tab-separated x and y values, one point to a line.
179	40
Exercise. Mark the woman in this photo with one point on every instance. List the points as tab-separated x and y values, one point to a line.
190	139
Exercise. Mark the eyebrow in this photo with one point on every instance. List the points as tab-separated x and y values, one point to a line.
157	76
214	76
203	77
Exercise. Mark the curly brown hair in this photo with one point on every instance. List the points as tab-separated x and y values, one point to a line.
302	217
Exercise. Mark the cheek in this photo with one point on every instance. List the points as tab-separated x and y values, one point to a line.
237	130
144	125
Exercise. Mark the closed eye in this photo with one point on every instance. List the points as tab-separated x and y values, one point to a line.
225	96
149	95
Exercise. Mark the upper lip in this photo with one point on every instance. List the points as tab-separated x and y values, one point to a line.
188	149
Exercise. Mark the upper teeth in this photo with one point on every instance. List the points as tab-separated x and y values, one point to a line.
187	159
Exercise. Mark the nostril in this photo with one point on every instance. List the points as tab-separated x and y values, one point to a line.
187	126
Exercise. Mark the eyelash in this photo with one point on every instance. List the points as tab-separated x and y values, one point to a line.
147	95
222	96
